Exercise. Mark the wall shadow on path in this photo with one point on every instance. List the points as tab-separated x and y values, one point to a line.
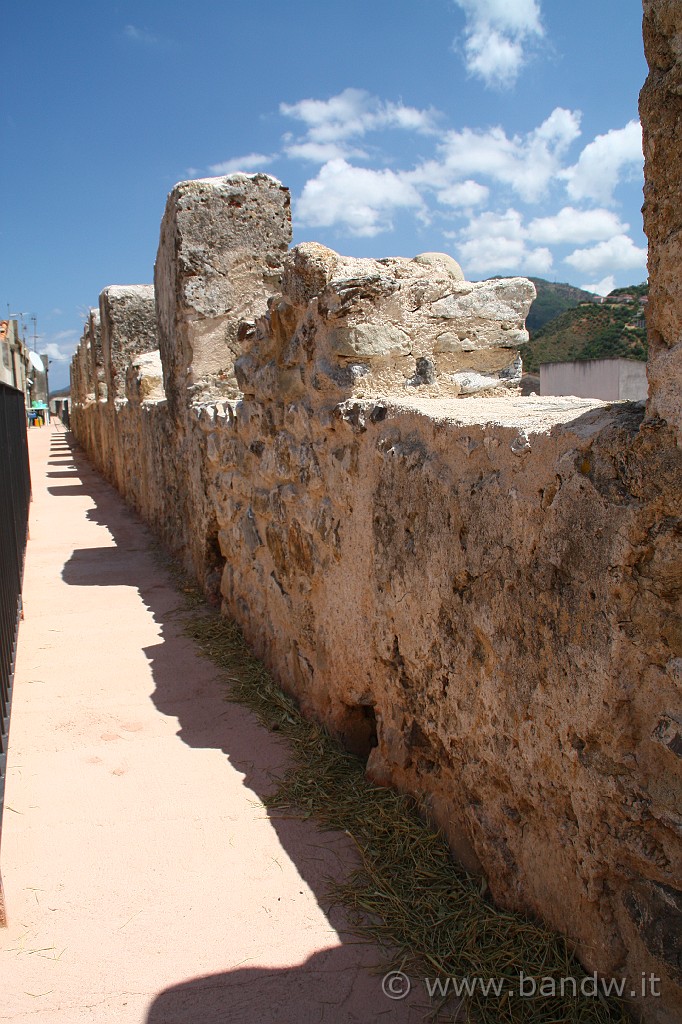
334	986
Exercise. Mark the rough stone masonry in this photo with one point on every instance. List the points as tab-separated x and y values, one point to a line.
478	592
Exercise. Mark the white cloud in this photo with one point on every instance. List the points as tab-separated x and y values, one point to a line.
508	15
604	162
618	253
526	163
321	152
494	242
497	38
494	58
60	346
54	352
356	198
463	194
573	227
411	119
143	37
603	287
467	171
331	124
436	176
250	162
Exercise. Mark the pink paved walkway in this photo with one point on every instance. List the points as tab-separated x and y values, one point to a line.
144	880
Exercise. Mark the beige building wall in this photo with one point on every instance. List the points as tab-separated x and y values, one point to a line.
612	380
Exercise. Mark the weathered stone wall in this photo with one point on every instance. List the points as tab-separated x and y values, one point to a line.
128	331
94	374
500	598
83	390
93	332
479	593
661	114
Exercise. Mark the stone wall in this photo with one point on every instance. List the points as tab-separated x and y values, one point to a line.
93	333
478	592
661	114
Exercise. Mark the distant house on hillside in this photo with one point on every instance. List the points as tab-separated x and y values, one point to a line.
612	380
620	299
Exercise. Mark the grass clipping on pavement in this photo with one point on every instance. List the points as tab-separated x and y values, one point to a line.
430	917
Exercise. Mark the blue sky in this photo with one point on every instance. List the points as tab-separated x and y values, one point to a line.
504	132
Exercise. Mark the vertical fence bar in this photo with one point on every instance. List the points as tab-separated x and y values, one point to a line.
15	497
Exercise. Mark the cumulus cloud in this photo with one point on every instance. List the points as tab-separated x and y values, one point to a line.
606	161
60	345
356	198
494	242
320	152
475	177
603	287
463	194
498	37
526	163
55	352
573	227
250	162
617	253
331	124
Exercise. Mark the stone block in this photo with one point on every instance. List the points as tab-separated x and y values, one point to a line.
345	327
222	244
128	328
144	379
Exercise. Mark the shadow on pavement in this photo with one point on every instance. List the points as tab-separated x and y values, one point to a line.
335	986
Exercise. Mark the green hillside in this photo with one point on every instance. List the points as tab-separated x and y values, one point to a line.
591	330
552	299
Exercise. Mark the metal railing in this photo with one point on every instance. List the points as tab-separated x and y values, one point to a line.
15	497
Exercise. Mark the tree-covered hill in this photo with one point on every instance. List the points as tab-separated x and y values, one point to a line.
590	330
552	299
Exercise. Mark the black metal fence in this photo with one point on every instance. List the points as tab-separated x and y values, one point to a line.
15	497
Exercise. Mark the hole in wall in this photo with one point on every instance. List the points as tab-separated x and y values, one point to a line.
214	563
358	729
